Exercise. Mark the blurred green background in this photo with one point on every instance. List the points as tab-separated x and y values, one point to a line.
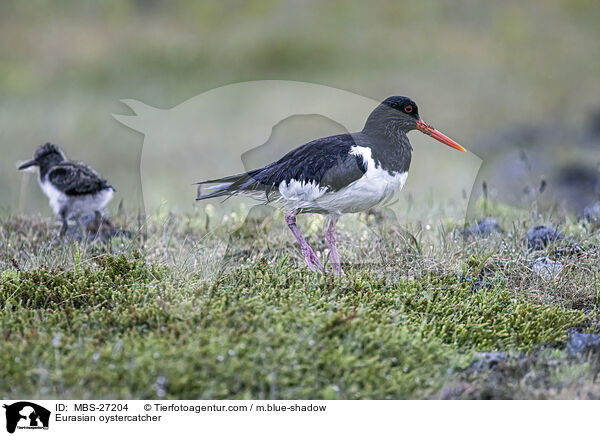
474	67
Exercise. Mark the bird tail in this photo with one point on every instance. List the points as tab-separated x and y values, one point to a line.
228	186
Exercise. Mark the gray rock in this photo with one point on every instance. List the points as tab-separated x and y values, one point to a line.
485	361
484	228
577	184
478	283
546	268
591	214
540	237
583	342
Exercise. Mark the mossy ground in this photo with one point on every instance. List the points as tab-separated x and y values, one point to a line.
186	311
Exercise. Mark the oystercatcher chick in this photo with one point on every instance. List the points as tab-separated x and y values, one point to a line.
338	174
75	190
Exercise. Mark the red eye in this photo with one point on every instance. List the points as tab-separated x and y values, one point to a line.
408	109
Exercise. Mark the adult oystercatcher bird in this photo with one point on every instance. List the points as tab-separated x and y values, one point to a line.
337	174
75	190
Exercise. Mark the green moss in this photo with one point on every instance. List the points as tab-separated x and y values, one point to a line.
113	281
443	306
485	319
124	327
254	333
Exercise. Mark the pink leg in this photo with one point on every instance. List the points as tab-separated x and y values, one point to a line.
309	255
330	236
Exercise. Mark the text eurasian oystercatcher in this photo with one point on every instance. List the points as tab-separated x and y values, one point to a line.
338	174
75	190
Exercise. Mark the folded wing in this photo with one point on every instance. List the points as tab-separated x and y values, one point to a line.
326	162
76	179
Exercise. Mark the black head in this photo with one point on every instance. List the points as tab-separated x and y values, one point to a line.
404	105
45	156
393	114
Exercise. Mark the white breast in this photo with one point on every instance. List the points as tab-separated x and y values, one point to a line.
57	198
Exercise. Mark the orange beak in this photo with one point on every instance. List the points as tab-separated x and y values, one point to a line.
422	126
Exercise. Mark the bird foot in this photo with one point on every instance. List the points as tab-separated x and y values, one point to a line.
311	259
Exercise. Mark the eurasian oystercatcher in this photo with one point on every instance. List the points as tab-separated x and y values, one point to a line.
338	174
75	190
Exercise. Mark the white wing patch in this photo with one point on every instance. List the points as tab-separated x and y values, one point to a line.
301	191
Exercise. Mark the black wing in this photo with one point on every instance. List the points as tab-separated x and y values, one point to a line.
326	161
76	179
